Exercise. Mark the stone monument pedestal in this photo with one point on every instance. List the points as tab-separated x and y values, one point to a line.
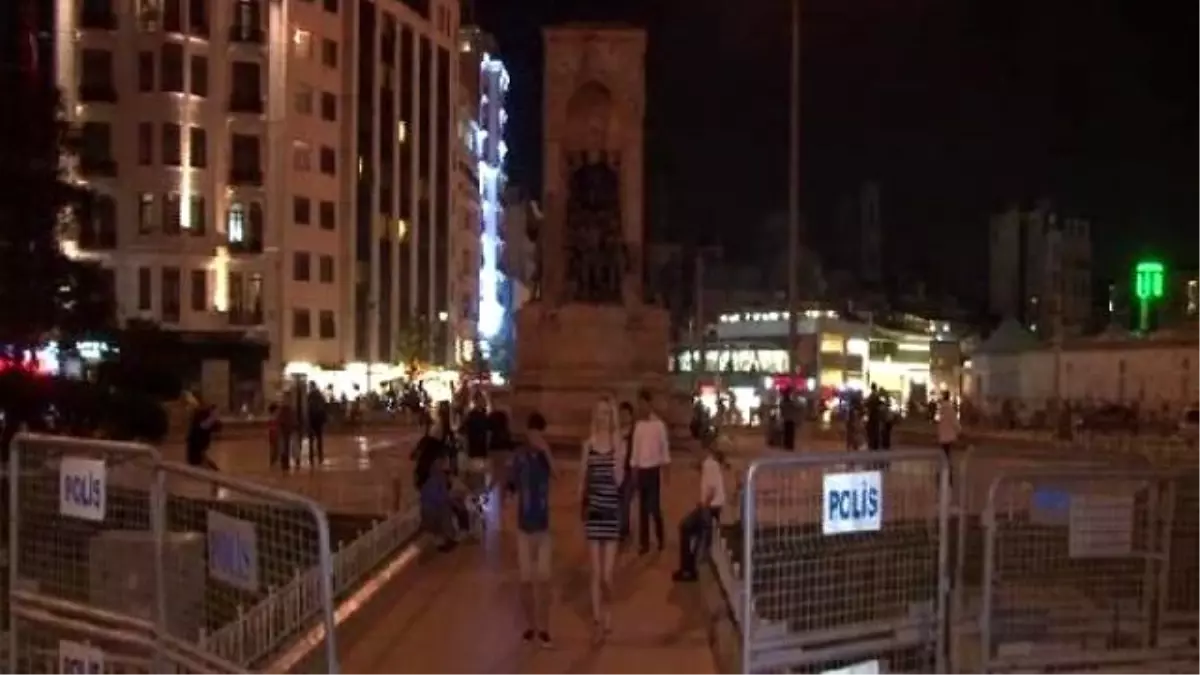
569	356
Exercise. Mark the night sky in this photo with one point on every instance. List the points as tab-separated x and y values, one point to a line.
956	107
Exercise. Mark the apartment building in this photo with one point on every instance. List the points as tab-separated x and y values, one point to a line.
271	171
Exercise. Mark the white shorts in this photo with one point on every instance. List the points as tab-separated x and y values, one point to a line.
533	556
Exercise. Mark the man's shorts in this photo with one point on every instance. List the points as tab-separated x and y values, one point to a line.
533	556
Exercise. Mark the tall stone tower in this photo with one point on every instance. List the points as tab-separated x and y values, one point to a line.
590	333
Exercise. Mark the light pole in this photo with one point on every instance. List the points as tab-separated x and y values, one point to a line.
793	258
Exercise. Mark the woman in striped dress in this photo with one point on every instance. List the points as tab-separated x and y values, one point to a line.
599	494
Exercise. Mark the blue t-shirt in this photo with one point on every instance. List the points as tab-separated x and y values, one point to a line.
531	480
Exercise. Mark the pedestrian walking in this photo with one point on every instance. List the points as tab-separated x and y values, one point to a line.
601	510
529	476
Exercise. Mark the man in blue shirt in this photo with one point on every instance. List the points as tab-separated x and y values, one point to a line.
529	477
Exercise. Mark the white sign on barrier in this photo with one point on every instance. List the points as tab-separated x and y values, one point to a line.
76	657
1101	526
861	668
82	488
853	502
232	551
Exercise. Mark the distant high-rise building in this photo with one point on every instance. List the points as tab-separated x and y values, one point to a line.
1040	269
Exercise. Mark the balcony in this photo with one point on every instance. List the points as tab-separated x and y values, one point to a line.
246	104
251	246
246	35
93	20
97	166
242	176
97	93
245	316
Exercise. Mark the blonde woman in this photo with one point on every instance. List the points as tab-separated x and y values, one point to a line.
600	476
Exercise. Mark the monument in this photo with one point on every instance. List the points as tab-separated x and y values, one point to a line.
588	332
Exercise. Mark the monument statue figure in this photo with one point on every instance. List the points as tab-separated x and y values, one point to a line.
593	227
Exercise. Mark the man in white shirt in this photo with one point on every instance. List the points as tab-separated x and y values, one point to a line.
696	527
650	455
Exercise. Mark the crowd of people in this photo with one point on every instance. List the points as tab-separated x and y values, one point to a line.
624	458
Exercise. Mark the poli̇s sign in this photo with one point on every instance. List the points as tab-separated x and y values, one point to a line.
853	502
76	657
232	551
82	488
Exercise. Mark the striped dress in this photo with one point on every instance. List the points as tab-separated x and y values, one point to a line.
602	510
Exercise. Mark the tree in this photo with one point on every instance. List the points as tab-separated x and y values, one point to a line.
43	292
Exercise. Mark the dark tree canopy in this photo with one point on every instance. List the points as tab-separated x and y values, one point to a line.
43	293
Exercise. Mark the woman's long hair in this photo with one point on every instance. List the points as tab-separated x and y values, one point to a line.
601	429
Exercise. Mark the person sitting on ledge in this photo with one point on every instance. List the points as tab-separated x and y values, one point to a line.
695	530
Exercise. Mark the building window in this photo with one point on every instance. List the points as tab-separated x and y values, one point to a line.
171	216
145	143
98	227
327	216
246	160
197	216
304	99
301	266
328	161
235	227
95	149
171	142
245	93
198	17
145	71
96	76
97	15
199	290
328	107
301	210
329	53
327	325
303	42
172	67
145	301
247	22
325	269
172	16
199	67
301	156
301	323
331	6
171	294
198	147
146	213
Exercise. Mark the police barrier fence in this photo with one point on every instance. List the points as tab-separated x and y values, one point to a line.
845	559
112	528
1077	572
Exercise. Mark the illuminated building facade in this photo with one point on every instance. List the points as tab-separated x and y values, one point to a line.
273	170
490	151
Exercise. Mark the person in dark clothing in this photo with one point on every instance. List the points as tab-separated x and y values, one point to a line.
203	425
444	433
788	413
318	415
625	423
874	418
889	421
475	428
428	451
499	433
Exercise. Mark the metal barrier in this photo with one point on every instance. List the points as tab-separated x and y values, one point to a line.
1077	572
846	561
102	529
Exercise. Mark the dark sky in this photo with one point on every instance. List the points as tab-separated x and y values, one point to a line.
956	107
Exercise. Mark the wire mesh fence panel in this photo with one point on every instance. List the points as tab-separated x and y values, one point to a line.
1181	597
845	558
1074	562
228	545
973	472
67	637
81	518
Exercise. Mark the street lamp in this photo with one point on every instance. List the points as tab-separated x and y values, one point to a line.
793	258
